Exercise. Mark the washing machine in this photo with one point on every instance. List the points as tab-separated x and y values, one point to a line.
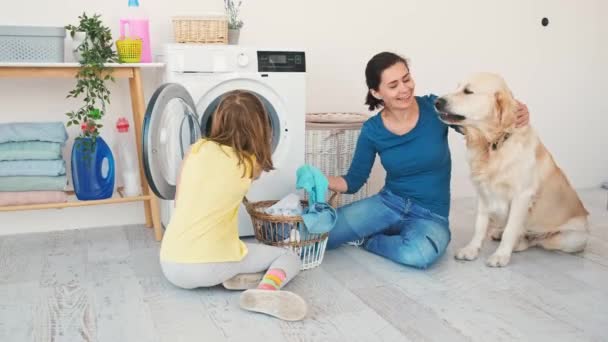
181	109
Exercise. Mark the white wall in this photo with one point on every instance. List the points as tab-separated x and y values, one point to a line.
557	70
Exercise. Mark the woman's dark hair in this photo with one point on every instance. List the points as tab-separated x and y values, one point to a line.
373	74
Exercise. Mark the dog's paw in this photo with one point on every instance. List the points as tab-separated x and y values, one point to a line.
467	253
498	260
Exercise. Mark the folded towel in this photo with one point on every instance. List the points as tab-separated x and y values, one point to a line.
35	150
33	131
32	183
32	167
32	197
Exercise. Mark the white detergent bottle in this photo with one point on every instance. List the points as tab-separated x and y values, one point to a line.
128	169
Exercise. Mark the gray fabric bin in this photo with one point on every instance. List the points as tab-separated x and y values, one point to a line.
39	44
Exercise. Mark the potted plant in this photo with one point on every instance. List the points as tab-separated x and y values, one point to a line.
95	51
90	152
234	22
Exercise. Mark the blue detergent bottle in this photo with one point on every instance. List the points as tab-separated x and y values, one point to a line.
92	169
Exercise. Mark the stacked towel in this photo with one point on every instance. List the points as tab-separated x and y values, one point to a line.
32	169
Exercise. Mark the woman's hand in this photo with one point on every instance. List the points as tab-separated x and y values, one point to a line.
522	115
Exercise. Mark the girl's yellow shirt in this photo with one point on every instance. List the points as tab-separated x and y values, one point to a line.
204	225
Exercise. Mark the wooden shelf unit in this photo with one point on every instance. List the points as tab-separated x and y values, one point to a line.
69	70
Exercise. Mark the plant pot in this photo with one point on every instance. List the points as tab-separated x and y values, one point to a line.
77	40
233	36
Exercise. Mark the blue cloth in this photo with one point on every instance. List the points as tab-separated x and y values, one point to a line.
33	131
32	167
314	182
319	217
418	164
395	228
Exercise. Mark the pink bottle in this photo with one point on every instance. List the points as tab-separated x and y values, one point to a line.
137	27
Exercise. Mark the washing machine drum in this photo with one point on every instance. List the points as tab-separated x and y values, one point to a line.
171	124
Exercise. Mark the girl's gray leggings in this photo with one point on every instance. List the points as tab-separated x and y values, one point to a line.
259	259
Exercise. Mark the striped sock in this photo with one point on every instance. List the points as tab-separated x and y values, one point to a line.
273	279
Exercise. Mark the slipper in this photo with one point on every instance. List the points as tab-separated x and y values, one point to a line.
244	281
285	305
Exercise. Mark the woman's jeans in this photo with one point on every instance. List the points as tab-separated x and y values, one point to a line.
394	227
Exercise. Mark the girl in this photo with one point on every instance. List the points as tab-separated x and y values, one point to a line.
201	246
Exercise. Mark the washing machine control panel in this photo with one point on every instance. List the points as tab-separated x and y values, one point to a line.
281	61
242	60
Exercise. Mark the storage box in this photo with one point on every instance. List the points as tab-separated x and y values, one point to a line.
40	44
210	29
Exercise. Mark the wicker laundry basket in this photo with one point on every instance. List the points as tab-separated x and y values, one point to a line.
331	139
212	29
288	232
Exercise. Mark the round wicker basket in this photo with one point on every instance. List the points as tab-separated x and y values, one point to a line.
288	232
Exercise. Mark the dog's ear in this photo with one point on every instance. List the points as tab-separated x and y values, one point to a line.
506	108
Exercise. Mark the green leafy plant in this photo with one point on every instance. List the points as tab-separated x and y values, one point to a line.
232	9
95	51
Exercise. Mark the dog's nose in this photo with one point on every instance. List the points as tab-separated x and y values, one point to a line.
440	104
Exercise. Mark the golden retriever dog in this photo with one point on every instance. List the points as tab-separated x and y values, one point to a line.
522	194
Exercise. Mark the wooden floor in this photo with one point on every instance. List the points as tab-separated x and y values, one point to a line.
106	285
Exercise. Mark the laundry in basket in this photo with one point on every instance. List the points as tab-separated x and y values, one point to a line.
319	218
287	206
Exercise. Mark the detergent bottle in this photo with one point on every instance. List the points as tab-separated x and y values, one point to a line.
92	169
137	25
128	167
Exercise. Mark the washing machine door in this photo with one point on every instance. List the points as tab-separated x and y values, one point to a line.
171	125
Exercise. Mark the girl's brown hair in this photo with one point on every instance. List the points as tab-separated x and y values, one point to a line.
241	122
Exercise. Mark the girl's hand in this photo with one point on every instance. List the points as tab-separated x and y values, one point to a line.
522	116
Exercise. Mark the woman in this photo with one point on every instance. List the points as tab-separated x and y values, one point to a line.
407	221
